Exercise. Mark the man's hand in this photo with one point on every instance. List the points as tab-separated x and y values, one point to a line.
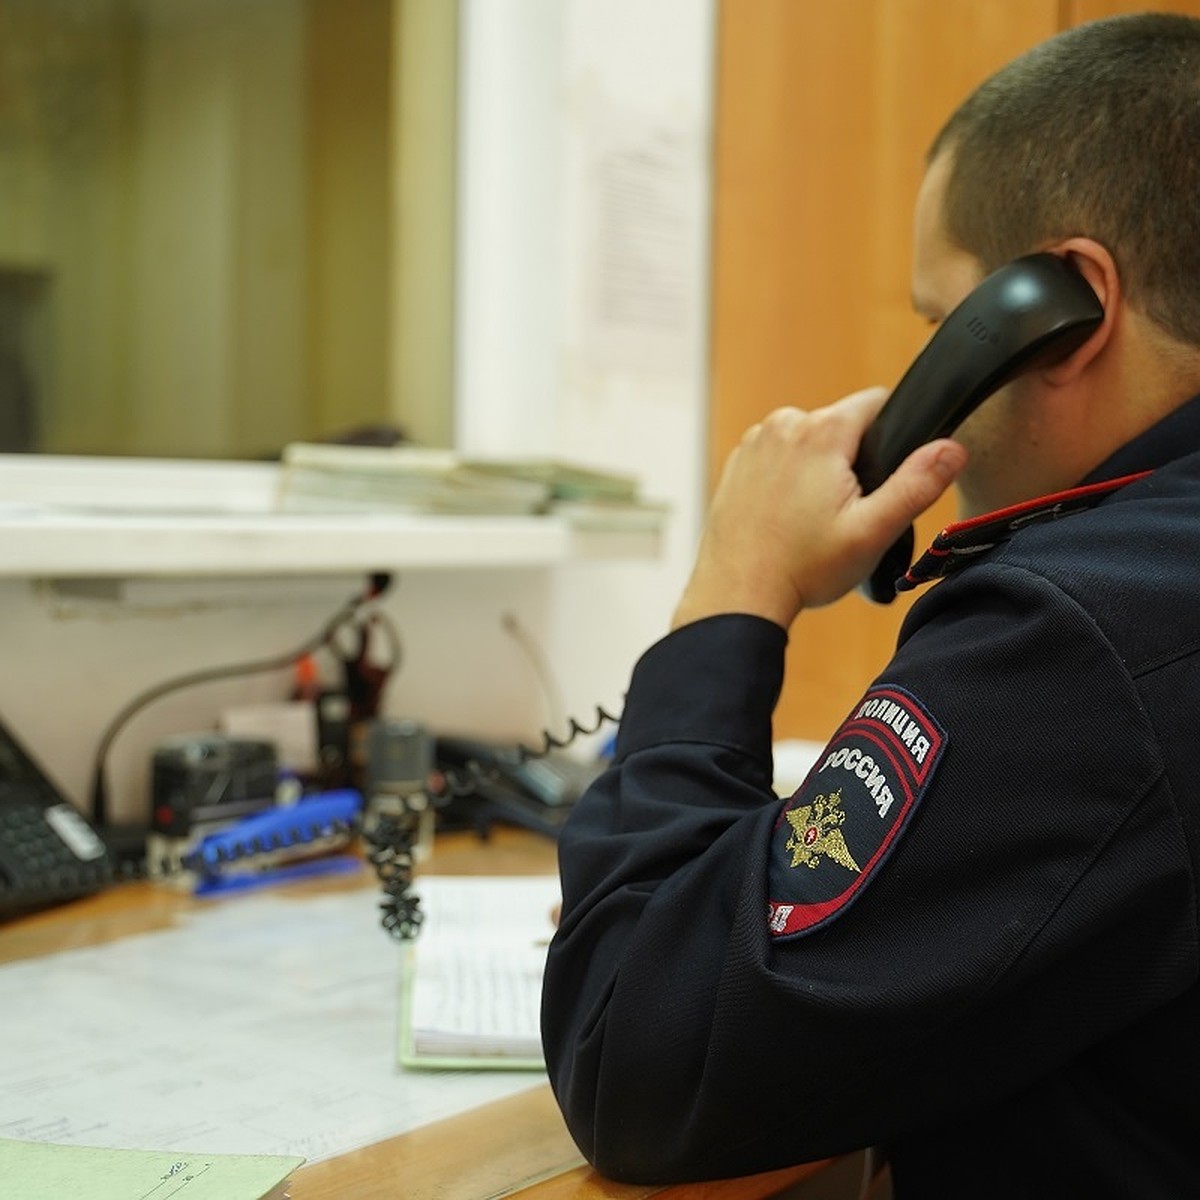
789	527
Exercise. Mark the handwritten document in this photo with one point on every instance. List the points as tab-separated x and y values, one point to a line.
266	1024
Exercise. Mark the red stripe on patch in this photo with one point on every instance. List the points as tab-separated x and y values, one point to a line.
929	728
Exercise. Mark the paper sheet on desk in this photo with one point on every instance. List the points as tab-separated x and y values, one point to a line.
263	1025
34	1171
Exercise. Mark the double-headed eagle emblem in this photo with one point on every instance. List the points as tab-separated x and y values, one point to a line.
817	832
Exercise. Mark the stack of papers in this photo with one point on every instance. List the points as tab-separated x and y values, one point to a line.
563	481
332	478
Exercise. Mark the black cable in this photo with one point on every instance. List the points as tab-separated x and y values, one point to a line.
558	709
378	583
390	850
544	673
551	743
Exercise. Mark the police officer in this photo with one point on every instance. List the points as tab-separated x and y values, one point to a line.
971	937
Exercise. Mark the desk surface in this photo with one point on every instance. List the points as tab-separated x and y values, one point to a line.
514	1147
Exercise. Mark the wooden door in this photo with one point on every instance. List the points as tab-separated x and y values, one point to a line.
824	112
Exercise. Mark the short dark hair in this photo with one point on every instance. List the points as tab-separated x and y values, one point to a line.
1095	132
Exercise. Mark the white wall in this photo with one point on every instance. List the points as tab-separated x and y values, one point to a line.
582	314
585	156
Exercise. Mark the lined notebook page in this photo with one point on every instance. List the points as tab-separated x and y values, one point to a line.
474	979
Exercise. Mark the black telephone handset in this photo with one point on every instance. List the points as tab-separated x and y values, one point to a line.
1033	311
48	852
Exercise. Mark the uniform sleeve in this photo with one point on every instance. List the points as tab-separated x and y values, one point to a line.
740	983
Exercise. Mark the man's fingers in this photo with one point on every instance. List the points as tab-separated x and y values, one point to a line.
867	402
917	484
860	408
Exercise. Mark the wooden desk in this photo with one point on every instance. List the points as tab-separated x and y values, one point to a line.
514	1147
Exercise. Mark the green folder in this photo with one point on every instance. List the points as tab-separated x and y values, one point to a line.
48	1171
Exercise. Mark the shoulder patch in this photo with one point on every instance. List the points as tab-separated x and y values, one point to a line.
844	819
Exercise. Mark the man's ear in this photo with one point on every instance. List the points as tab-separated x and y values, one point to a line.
1096	265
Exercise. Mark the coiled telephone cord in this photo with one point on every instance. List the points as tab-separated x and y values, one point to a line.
390	850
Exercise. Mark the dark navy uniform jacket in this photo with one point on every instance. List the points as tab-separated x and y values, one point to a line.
970	937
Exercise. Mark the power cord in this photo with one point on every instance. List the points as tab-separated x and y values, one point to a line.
377	584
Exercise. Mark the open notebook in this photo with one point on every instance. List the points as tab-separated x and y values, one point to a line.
471	995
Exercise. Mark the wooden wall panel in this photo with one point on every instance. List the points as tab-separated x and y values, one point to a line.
824	111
